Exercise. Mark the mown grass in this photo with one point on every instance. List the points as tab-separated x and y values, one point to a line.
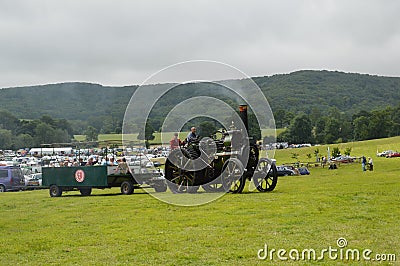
303	212
157	136
133	137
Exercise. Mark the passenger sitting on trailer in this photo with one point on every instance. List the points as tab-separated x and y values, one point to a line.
175	142
75	163
81	162
90	162
123	167
112	161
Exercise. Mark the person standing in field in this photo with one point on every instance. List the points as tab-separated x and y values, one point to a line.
371	164
364	163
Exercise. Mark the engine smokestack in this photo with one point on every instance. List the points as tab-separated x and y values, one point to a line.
243	116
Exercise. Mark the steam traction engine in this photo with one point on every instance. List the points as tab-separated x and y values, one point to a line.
220	164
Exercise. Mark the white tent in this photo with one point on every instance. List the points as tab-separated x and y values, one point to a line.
50	151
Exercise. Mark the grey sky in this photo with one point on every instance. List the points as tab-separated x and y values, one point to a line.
123	42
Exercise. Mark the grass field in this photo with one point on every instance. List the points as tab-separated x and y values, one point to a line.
157	136
303	212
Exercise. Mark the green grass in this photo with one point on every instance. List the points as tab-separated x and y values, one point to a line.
133	137
303	212
157	136
367	148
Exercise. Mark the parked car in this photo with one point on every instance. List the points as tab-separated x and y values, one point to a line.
35	180
11	178
294	169
283	171
304	171
384	153
393	154
343	159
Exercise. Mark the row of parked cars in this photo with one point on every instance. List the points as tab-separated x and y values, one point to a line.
389	154
12	178
286	170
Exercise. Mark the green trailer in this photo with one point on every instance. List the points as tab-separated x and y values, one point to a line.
85	178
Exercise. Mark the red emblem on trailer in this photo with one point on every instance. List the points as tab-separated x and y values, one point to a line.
79	176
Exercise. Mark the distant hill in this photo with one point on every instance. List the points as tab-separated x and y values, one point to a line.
349	92
296	92
72	101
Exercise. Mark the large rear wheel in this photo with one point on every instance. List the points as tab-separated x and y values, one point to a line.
215	185
179	177
266	176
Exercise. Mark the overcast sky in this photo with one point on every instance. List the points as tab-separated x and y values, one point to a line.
118	42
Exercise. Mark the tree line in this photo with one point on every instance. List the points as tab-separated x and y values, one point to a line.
338	127
16	134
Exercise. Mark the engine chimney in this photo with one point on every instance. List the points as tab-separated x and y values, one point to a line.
243	116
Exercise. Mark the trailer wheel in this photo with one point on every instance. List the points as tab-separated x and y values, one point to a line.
86	191
55	191
160	186
2	188
127	188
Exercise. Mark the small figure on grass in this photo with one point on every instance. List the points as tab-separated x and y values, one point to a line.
364	163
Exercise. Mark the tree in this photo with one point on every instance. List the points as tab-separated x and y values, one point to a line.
24	141
361	128
347	151
148	133
9	121
44	133
319	130
48	120
6	139
206	129
332	130
91	134
378	125
279	116
335	152
316	153
300	129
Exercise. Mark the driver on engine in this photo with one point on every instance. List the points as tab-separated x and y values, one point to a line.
192	135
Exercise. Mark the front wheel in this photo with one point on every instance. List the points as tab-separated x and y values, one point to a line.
232	176
127	188
266	176
55	191
2	188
